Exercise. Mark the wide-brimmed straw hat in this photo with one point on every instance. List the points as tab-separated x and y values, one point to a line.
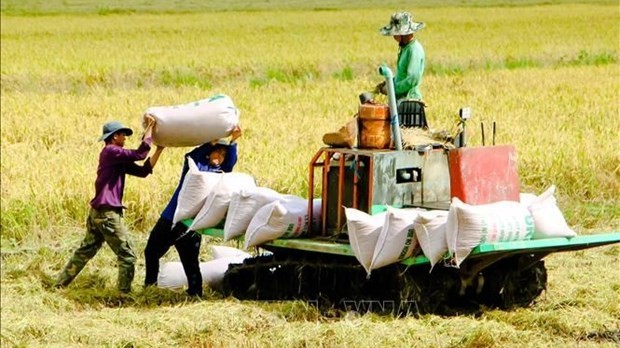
401	23
112	127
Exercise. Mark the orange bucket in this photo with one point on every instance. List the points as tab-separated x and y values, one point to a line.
374	127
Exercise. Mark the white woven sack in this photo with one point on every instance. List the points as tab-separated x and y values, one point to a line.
472	225
364	231
222	251
171	276
397	240
213	271
195	123
196	187
549	221
243	205
216	205
284	218
430	231
526	199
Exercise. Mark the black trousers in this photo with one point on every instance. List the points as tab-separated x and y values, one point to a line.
162	237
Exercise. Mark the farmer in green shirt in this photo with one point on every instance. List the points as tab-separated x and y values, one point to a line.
409	68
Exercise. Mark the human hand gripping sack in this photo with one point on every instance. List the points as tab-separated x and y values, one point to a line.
149	124
235	134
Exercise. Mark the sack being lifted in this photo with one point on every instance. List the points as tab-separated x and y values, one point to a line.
194	123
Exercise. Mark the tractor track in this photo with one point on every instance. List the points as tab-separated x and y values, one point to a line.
338	282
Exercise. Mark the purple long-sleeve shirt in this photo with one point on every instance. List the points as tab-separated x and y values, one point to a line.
114	163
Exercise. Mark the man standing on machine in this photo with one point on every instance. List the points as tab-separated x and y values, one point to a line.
409	69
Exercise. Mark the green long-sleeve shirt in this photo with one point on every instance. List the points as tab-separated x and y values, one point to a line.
409	71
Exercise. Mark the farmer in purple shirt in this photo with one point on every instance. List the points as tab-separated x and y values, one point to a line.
104	221
209	157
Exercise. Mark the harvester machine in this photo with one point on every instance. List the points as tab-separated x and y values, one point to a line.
321	267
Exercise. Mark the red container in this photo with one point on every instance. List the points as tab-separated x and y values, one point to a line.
481	175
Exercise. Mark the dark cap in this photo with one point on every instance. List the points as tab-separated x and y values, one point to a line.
112	127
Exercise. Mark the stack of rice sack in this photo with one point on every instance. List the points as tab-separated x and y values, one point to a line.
261	214
234	201
385	238
392	236
286	217
205	196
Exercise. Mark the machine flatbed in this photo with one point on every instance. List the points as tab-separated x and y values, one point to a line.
325	245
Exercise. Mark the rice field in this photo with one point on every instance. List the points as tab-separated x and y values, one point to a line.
546	72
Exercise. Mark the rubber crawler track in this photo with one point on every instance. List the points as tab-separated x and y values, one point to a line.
338	282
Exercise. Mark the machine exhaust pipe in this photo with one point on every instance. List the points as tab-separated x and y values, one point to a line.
389	82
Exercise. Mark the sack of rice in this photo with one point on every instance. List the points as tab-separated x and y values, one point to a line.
194	123
430	231
196	187
216	205
364	230
222	251
526	198
549	221
242	208
171	276
472	225
397	240
213	271
283	218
